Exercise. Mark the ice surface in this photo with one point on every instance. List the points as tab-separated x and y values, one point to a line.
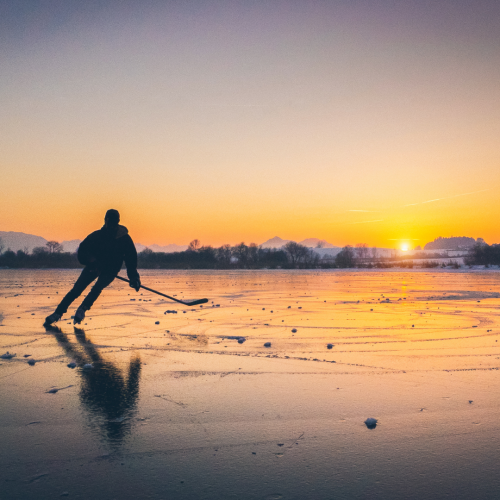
174	410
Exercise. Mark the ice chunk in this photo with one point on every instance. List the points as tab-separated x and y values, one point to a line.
371	423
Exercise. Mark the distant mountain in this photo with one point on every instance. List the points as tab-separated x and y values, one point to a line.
453	243
71	245
313	243
158	248
278	242
168	248
327	253
275	242
12	240
20	241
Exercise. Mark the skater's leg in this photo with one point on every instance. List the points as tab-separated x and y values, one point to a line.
86	277
102	282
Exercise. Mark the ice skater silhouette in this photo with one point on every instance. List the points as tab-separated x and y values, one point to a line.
102	253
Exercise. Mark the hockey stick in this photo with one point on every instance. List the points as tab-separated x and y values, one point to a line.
193	303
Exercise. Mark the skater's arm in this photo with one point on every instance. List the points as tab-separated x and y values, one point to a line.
131	260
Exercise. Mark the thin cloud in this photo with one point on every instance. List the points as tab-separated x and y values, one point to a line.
447	198
366	221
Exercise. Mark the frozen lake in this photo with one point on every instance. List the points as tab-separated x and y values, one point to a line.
181	409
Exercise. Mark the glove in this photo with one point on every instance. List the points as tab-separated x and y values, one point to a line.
135	283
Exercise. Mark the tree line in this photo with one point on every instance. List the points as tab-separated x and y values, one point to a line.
242	256
49	256
291	256
452	243
482	254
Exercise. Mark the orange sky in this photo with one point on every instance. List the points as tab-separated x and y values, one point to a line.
228	122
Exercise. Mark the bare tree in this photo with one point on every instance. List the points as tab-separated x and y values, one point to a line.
374	253
296	252
194	245
320	244
292	251
346	257
223	255
253	253
207	253
39	251
54	247
241	253
2	246
361	251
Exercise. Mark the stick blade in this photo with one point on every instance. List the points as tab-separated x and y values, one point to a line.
196	302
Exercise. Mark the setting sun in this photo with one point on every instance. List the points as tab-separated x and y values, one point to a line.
404	247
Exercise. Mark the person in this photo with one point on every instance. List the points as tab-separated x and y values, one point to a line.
102	253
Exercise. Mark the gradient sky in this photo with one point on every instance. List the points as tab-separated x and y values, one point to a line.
351	121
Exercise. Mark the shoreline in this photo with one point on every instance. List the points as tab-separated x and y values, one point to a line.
346	269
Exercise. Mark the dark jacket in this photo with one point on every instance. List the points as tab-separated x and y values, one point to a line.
107	249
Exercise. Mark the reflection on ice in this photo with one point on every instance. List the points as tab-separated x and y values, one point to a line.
108	395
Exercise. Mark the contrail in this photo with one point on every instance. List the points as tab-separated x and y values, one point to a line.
366	221
447	198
